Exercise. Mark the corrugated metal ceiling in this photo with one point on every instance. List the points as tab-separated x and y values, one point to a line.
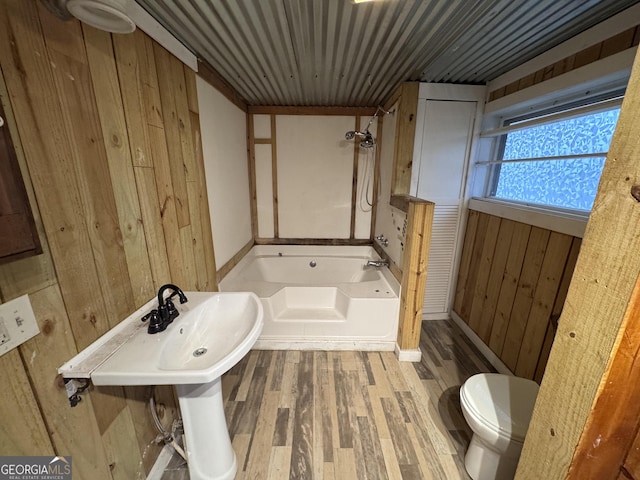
337	53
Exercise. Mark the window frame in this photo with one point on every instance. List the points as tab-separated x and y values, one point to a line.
531	118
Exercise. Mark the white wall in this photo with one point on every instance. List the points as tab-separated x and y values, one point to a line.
315	171
390	221
314	168
224	143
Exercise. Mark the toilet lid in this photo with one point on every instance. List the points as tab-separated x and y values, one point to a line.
502	402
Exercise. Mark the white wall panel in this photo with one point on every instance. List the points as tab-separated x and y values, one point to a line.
315	171
262	126
224	145
264	190
389	220
364	194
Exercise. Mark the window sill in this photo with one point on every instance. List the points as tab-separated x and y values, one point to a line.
572	224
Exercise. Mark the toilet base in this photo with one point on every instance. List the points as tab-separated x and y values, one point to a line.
482	463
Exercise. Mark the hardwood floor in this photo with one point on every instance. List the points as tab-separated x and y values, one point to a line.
350	415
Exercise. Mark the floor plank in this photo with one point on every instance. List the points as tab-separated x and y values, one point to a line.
351	415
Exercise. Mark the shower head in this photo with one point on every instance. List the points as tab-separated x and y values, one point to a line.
367	141
351	134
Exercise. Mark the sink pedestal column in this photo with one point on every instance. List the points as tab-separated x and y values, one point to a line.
210	455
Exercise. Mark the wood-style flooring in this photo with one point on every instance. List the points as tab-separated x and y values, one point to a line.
350	415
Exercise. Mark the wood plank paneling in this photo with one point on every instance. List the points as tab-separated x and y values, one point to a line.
116	141
512	282
543	300
485	264
474	265
536	249
414	277
167	88
45	142
465	259
53	347
23	432
496	274
405	135
515	260
91	139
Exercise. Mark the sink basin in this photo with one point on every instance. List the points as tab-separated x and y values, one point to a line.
211	334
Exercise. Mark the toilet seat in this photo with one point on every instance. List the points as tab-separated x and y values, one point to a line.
501	403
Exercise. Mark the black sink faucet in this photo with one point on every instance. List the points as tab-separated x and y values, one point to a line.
160	318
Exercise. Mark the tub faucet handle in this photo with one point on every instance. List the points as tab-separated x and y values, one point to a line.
382	240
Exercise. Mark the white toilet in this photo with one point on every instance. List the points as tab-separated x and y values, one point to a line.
498	409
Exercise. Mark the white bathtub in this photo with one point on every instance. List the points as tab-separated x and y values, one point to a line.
318	297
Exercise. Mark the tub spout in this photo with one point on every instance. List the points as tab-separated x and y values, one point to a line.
377	263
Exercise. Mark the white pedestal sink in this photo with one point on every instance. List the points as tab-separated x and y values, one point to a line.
211	334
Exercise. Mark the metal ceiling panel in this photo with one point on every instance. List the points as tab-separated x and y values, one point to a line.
337	53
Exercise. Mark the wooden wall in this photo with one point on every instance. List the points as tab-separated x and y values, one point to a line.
512	283
107	128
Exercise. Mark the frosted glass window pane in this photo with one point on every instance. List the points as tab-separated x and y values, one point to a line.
560	183
565	183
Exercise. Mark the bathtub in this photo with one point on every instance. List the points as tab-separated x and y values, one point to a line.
320	297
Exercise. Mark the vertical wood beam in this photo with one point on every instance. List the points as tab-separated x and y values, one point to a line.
613	422
354	182
414	272
376	180
405	135
274	176
251	159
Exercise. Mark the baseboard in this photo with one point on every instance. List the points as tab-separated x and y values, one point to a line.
326	345
426	317
414	355
161	463
480	345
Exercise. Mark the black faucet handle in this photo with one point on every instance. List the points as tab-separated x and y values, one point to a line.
155	322
172	311
152	313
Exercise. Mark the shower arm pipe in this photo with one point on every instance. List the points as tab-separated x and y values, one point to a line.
379	109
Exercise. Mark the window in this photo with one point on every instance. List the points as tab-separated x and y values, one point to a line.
555	158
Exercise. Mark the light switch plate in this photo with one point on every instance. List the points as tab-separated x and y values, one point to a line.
17	323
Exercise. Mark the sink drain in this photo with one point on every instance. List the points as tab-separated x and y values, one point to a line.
199	352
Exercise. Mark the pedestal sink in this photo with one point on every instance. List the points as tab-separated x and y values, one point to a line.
211	334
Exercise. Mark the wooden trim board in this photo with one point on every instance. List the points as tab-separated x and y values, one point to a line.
285	110
414	273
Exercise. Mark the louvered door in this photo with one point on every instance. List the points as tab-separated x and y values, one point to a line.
444	150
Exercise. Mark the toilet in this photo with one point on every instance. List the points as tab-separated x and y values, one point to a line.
498	409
